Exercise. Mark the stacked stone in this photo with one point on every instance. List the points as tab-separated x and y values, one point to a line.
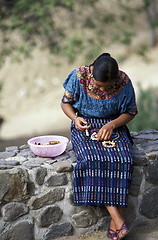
36	194
142	211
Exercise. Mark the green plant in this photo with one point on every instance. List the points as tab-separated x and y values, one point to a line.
92	52
73	47
147	110
126	36
143	50
42	23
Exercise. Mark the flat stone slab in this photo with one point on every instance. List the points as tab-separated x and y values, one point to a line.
9	162
12	149
22	230
64	166
4	155
57	180
13	210
149	203
46	199
13	185
49	216
40	175
26	153
59	230
17	158
85	218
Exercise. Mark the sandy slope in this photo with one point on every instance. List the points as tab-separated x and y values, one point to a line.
32	91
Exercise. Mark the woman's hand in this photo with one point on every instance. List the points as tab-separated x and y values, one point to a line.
105	132
81	124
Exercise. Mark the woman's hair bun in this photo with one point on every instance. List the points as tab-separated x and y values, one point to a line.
100	56
105	68
105	54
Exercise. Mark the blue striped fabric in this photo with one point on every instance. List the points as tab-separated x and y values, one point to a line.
102	175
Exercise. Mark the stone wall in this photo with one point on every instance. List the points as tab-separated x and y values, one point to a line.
37	199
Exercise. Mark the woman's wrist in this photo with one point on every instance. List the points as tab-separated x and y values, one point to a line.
75	118
112	124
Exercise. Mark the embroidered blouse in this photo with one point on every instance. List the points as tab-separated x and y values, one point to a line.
90	101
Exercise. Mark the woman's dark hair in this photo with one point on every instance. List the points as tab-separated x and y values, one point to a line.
105	68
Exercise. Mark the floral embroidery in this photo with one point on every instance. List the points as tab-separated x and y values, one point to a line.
68	97
85	77
134	110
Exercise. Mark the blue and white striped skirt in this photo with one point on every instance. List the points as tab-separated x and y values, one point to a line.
102	175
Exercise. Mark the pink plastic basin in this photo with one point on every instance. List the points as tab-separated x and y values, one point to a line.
48	150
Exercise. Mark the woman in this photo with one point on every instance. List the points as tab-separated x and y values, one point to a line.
100	101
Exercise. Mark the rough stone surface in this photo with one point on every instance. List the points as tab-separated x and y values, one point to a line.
152	172
2	225
9	163
49	216
24	147
62	157
18	159
13	210
21	231
59	230
143	229
136	181
69	147
85	218
148	146
149	203
29	189
57	180
26	153
33	162
63	166
3	167
72	157
13	185
152	156
14	149
4	155
140	158
40	175
48	198
50	161
101	211
145	135
130	213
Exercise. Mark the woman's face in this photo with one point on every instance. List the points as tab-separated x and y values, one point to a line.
103	85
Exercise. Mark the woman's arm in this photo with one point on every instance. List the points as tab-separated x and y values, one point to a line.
80	123
106	131
68	110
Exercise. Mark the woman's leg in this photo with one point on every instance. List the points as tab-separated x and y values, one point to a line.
117	219
112	223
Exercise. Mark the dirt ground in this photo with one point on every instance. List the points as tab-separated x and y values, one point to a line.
100	235
138	234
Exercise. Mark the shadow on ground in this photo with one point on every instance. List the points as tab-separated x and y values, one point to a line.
23	140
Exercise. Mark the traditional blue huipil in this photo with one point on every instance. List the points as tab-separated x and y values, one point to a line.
102	175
